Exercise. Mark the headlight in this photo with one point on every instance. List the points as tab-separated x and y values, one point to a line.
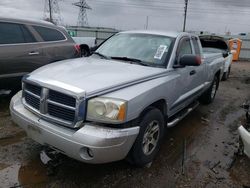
106	110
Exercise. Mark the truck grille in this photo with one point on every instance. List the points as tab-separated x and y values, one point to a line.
51	104
62	98
32	100
60	112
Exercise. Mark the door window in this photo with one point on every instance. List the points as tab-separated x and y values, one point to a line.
11	33
49	34
29	38
196	46
184	48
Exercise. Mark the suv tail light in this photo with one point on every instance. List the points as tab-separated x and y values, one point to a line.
78	48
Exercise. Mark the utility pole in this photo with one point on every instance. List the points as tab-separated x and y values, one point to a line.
50	12
147	23
82	16
185	15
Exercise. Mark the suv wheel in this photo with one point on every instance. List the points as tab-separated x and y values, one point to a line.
209	95
85	52
148	141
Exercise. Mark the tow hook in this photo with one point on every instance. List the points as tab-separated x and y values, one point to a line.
52	159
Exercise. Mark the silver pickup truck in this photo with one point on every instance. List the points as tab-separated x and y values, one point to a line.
118	102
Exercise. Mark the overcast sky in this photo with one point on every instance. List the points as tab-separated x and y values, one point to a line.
203	15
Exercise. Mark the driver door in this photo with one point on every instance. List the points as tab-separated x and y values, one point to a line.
185	82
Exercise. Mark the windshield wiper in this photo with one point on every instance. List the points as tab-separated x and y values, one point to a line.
137	61
101	55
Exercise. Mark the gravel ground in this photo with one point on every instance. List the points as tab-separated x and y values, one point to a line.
201	151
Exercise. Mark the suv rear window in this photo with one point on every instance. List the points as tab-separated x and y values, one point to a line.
11	33
49	34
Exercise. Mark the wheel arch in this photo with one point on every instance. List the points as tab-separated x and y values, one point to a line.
218	75
160	104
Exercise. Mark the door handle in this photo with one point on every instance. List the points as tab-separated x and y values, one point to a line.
34	53
192	72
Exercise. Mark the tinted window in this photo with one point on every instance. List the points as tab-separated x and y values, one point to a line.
11	33
27	35
196	46
48	34
185	48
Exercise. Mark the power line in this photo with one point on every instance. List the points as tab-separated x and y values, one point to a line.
82	17
52	12
172	8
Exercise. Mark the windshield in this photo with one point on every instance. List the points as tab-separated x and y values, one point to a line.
152	50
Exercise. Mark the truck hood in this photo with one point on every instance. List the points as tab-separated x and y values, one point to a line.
92	75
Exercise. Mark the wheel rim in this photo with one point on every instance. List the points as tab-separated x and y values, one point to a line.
151	137
214	89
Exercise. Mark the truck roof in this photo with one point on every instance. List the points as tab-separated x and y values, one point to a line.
173	34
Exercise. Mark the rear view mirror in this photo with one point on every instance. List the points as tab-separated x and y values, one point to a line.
190	60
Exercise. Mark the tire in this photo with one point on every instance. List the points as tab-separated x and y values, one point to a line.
209	95
85	52
226	74
147	145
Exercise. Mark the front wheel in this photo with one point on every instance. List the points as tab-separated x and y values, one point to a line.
148	141
226	74
209	95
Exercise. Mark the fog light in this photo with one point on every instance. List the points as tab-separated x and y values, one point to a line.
90	152
86	153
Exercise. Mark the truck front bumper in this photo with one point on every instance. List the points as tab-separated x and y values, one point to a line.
90	144
245	136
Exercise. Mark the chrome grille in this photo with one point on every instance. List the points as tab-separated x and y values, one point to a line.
32	95
52	105
60	112
62	98
33	89
32	100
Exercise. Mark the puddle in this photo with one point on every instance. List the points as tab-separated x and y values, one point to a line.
31	175
12	139
182	135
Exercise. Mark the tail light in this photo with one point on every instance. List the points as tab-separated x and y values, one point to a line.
78	48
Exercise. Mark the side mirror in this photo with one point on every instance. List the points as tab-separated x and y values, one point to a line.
93	49
225	54
190	60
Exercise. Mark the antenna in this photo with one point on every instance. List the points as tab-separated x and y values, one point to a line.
82	16
52	12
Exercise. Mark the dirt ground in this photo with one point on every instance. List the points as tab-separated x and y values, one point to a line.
201	151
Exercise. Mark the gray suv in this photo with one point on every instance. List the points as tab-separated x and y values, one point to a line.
27	45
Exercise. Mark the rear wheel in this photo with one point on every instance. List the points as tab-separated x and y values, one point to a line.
85	52
148	141
209	95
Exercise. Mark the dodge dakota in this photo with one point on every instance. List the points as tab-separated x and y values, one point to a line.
117	103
